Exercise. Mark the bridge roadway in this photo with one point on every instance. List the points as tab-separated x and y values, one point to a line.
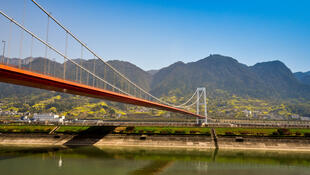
10	74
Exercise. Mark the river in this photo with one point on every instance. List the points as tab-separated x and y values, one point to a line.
93	160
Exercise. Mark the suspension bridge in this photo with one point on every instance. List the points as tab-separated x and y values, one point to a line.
61	72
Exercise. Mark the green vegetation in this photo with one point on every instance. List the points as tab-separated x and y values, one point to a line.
167	130
71	129
273	132
25	129
63	104
151	130
224	105
121	130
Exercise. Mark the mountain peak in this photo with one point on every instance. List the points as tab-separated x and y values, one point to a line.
177	63
274	63
274	70
217	58
272	66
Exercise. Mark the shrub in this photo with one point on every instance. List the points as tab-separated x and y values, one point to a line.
180	131
141	131
244	133
150	132
10	130
297	133
130	128
275	133
207	133
284	131
26	130
193	132
65	131
38	130
307	134
260	134
229	133
164	132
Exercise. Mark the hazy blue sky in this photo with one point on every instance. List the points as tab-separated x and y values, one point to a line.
155	33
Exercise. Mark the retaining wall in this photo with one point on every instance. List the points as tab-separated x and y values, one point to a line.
186	141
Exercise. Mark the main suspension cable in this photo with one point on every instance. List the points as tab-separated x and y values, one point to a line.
58	52
111	67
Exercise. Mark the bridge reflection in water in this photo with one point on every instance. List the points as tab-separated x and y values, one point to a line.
135	161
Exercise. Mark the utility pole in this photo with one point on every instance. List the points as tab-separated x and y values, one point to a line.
3	50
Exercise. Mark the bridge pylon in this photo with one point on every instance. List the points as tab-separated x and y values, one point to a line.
202	100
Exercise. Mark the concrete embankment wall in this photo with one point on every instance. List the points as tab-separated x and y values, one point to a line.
264	143
185	141
34	139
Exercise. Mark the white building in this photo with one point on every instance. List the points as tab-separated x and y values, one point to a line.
247	113
48	118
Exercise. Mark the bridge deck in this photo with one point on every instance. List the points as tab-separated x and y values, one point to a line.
18	76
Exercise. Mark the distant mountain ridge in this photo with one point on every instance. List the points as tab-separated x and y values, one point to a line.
303	77
279	78
216	72
134	73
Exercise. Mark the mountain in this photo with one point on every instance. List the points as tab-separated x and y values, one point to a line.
16	61
303	77
232	87
220	74
217	72
134	73
280	79
11	90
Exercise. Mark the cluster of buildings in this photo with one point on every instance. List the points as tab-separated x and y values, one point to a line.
10	113
258	114
47	117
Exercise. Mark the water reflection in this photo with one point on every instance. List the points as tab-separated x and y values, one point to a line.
60	162
155	167
136	161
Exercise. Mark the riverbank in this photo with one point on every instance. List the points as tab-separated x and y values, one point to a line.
173	141
173	137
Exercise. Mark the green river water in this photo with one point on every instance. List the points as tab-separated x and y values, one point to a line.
137	161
